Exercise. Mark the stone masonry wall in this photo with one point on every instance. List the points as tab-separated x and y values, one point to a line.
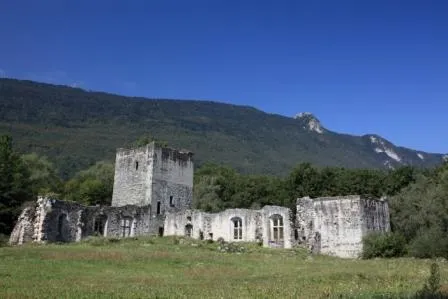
336	225
52	220
375	215
268	213
172	179
213	225
132	168
24	230
171	184
163	180
256	224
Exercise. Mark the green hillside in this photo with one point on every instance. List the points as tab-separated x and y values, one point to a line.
75	128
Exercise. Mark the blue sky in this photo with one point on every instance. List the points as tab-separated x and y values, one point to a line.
359	66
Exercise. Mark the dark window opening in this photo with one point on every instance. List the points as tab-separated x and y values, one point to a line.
201	235
136	165
158	207
188	230
160	231
126	224
296	234
188	218
171	201
100	224
210	236
62	224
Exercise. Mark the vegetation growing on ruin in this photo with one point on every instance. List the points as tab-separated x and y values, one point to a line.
186	268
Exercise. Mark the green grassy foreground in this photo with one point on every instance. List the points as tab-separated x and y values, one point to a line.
179	268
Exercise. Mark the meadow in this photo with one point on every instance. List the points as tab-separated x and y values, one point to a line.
185	268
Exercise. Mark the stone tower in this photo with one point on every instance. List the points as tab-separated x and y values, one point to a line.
157	176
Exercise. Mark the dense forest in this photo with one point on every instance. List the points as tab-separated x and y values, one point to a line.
73	127
418	198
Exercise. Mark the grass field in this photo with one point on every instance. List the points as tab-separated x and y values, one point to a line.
179	268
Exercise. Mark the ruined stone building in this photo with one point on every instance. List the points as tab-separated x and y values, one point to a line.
152	195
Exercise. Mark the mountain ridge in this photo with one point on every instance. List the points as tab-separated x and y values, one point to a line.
75	128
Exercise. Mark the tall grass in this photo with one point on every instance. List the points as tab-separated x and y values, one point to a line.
185	268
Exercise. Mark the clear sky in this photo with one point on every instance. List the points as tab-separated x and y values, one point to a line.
370	66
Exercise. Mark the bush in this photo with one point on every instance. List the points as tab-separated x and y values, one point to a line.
429	243
431	289
385	245
3	240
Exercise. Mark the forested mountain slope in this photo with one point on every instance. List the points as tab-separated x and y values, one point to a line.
75	128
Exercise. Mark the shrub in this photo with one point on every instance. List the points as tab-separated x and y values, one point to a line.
429	243
3	240
431	289
383	245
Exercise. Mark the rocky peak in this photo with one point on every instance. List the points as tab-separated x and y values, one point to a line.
382	146
310	122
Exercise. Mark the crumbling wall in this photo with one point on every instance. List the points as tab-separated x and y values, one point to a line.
214	225
336	225
24	229
256	225
305	223
268	215
375	215
61	221
107	221
52	220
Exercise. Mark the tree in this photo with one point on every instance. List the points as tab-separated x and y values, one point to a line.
14	185
43	176
92	186
399	178
419	212
305	180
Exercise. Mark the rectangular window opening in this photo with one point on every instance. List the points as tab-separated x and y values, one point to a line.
158	207
171	201
126	227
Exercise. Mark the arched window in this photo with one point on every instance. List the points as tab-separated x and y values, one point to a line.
126	224
237	228
188	230
277	229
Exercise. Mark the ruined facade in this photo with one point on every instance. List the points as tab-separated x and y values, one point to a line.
149	182
52	220
271	225
336	225
158	177
152	195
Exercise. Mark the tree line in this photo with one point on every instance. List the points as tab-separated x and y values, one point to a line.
418	198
